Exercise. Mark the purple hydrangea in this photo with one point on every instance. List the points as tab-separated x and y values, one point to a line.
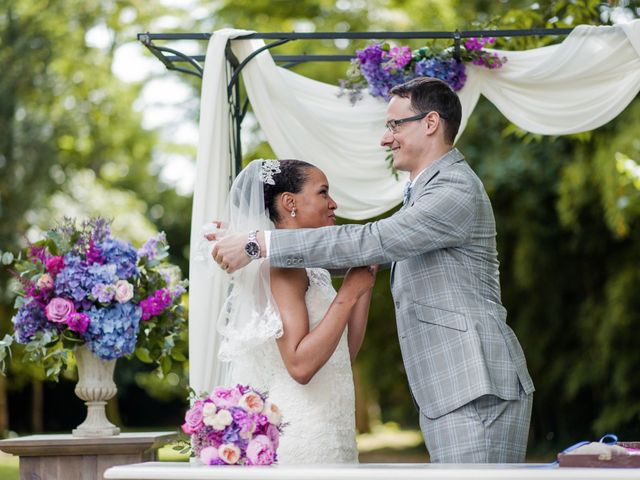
77	279
150	249
103	293
380	80
113	331
123	255
29	320
450	71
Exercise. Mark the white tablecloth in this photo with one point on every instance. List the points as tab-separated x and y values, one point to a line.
364	471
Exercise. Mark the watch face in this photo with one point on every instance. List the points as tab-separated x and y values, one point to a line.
252	249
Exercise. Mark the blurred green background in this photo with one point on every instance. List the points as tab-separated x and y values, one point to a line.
77	138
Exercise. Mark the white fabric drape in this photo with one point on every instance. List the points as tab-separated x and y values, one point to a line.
574	86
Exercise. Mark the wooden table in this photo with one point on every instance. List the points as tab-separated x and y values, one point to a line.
64	457
364	471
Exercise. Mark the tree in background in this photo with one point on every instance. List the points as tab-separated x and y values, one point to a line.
71	142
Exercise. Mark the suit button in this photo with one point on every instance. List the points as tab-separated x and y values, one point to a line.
397	304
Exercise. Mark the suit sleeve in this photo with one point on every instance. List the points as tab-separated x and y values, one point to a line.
440	217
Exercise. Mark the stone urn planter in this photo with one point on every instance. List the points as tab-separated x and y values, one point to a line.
95	386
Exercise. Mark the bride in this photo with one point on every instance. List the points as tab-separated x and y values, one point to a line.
287	331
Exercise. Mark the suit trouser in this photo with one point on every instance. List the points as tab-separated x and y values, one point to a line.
485	430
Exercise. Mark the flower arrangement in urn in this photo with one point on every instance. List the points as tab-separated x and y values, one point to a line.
234	426
81	286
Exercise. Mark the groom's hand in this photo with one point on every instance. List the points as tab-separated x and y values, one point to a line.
229	252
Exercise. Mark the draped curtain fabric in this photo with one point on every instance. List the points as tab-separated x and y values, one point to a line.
575	86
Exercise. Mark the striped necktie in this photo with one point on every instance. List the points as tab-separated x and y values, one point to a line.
407	193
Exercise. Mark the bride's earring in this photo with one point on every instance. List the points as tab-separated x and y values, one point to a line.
293	212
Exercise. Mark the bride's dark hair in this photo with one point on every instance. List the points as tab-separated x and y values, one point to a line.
292	177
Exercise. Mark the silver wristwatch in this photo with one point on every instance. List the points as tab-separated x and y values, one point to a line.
252	247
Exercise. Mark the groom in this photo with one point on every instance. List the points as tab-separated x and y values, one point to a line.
466	369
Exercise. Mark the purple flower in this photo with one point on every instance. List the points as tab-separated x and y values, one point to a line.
78	322
260	451
59	309
54	265
94	255
150	249
123	255
29	320
193	418
450	71
155	304
103	293
113	330
209	456
225	397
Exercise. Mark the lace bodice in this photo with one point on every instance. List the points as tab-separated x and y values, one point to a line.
321	414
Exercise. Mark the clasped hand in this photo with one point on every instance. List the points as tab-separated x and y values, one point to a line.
228	251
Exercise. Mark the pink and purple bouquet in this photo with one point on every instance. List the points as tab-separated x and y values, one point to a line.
234	426
80	285
381	66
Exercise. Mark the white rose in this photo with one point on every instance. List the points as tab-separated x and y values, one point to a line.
124	291
220	420
273	413
208	413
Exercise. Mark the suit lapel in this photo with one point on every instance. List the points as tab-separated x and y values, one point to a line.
449	158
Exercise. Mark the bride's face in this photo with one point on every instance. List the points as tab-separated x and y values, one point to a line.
314	206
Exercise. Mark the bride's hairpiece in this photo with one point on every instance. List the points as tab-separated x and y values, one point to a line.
268	169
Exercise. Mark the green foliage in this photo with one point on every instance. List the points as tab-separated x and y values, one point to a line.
72	138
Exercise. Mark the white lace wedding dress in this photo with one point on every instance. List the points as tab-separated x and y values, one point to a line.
320	415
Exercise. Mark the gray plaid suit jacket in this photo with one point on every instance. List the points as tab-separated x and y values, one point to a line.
455	342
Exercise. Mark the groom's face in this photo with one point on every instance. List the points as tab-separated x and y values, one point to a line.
406	141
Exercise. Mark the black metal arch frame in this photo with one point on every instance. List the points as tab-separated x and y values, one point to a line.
175	60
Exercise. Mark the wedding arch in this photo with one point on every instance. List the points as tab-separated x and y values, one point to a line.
574	86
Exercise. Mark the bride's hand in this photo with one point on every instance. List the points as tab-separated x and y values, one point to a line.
215	230
359	280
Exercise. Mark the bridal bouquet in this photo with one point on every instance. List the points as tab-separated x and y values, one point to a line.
234	426
80	285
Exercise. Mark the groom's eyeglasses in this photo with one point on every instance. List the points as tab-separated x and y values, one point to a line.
392	125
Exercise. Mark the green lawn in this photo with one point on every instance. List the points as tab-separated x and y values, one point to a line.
8	467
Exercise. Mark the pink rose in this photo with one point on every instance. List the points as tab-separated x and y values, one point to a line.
251	402
45	282
59	309
193	418
274	435
78	322
229	453
54	264
209	455
260	451
225	397
124	291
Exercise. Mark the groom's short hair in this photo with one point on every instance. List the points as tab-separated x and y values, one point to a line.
431	94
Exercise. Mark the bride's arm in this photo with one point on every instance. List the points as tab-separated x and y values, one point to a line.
358	322
304	352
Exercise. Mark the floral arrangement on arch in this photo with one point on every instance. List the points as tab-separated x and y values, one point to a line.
233	426
80	285
381	66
